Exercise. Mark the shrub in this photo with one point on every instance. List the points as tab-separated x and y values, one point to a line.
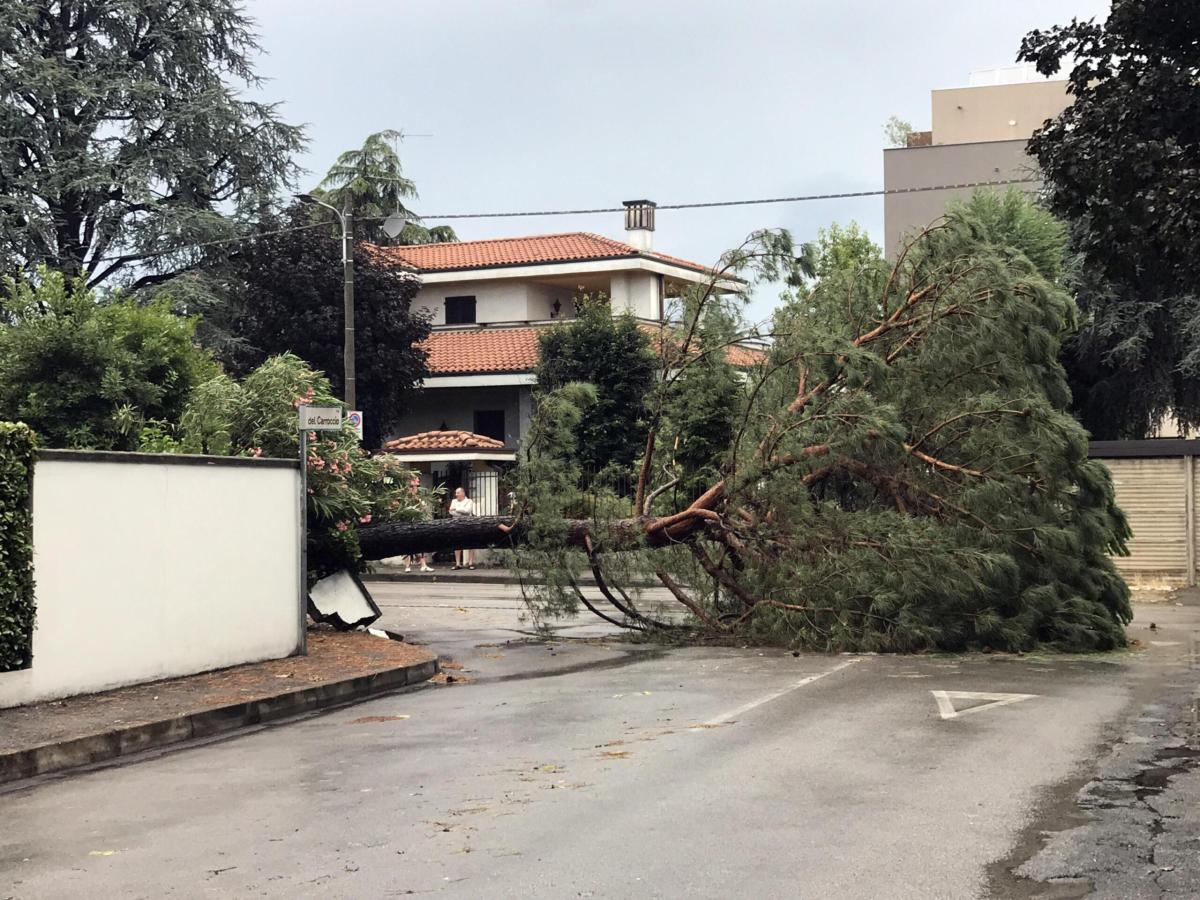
16	545
86	373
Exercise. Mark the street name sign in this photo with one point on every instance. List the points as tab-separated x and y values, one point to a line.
320	418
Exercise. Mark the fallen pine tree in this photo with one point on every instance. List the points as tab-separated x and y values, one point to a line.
903	473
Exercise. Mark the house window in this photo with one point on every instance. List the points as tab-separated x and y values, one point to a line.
490	423
460	310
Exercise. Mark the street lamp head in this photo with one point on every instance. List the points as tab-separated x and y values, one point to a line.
317	201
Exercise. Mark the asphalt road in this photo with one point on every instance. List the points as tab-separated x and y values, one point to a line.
583	767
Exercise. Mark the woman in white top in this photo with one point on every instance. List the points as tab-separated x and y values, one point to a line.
462	506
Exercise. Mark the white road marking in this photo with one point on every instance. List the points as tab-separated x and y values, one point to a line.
1166	643
754	704
946	706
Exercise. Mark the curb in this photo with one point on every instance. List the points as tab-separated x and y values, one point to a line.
107	745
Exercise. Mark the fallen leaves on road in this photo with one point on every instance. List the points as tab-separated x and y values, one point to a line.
616	754
362	720
447	678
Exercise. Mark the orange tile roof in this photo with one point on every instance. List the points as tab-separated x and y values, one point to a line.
479	351
745	357
443	440
482	350
575	246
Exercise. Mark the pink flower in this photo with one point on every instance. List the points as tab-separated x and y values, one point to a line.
365	519
256	451
341	526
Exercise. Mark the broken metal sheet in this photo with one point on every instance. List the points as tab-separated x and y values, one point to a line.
342	601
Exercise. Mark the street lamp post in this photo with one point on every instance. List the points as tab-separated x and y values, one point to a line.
346	220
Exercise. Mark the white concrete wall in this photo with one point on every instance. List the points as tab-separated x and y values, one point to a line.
541	301
149	569
495	301
636	292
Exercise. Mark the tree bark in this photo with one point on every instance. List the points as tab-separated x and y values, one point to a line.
478	532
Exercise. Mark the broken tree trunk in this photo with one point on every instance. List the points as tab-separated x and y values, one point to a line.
479	532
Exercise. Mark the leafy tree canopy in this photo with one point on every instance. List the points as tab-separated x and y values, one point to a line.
1122	167
126	139
897	131
612	353
282	293
87	374
371	181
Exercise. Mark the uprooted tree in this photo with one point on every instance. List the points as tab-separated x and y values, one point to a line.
903	473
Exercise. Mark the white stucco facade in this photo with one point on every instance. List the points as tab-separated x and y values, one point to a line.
521	284
147	570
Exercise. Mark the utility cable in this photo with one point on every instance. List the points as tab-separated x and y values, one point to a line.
712	204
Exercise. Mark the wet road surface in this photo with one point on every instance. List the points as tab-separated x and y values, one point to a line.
593	768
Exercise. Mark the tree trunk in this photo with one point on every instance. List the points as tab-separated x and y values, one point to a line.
465	533
477	532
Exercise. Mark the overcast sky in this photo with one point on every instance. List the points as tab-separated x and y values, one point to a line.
550	105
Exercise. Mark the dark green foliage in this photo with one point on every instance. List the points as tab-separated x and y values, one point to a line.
905	474
613	354
87	374
371	181
1122	167
702	408
547	482
283	294
16	545
952	504
127	133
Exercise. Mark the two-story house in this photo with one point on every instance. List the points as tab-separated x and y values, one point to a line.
488	300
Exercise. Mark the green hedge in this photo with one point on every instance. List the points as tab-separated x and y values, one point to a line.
16	545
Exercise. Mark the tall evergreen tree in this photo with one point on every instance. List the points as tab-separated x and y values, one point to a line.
700	411
371	181
613	354
126	139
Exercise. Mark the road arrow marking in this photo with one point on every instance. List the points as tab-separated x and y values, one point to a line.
945	701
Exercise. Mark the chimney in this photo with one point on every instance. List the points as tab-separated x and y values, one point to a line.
639	223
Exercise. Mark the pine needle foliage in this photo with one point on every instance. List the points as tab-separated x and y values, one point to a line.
904	473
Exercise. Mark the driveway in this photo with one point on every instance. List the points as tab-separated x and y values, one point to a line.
587	767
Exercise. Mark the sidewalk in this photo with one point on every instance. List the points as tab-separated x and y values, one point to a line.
341	667
444	574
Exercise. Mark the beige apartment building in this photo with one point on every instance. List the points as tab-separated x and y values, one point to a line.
978	133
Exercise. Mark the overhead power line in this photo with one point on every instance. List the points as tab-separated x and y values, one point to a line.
712	204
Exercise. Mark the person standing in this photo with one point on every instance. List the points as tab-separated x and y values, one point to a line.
414	487
461	507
